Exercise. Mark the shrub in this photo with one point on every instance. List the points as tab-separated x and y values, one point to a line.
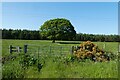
88	50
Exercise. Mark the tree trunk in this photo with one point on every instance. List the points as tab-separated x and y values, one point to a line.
53	37
53	41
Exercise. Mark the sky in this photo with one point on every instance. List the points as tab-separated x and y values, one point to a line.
60	0
86	17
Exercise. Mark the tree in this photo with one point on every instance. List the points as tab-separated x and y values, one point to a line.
59	28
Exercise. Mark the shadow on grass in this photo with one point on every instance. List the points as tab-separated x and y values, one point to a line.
68	42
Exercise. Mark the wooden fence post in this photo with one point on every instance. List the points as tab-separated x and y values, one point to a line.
104	45
119	48
72	49
14	49
25	48
18	49
10	49
60	49
50	49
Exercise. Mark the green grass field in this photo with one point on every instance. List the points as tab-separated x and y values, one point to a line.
54	67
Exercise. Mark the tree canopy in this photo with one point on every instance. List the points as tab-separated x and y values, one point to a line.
59	28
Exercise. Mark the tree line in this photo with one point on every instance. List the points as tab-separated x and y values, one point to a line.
21	34
98	37
36	35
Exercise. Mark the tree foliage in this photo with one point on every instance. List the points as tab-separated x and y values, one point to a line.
21	34
36	35
97	37
58	28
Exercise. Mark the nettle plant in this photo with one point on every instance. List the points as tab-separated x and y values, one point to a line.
30	60
27	60
88	50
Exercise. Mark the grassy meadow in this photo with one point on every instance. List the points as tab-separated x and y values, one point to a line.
56	66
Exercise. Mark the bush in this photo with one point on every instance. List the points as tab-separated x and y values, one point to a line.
88	50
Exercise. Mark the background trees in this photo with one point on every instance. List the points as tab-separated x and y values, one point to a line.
21	34
97	37
60	29
36	35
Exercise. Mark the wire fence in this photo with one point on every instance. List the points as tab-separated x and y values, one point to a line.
49	50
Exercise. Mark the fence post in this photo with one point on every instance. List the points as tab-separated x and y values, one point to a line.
18	49
25	48
61	50
119	48
72	49
50	49
38	54
104	45
10	48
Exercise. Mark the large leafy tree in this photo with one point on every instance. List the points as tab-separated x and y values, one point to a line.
59	28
